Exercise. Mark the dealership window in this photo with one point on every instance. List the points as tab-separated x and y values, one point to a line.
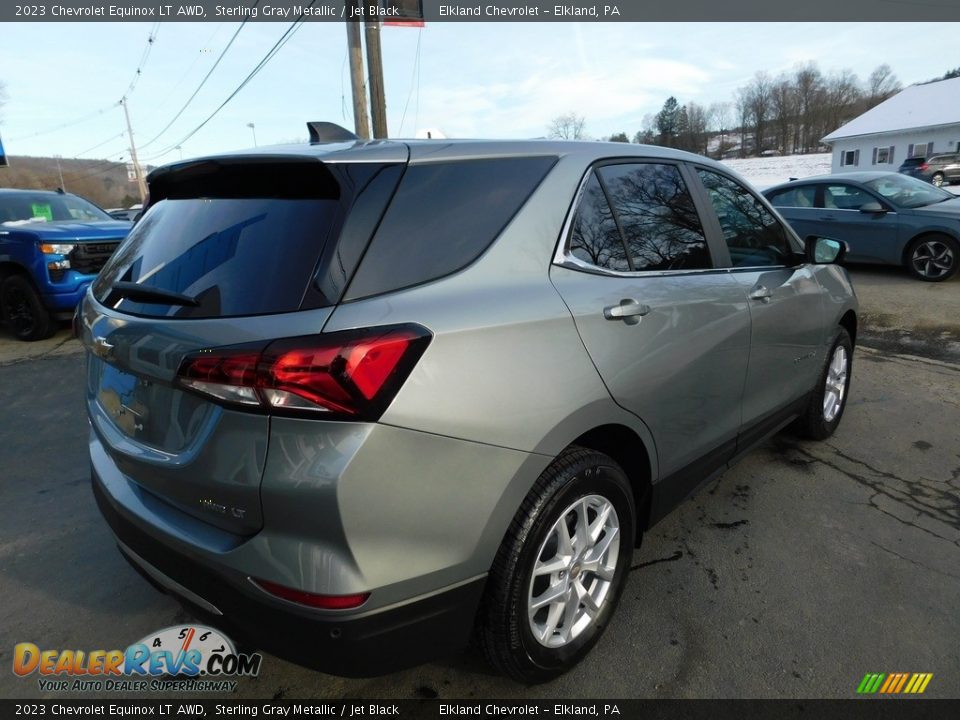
849	157
883	155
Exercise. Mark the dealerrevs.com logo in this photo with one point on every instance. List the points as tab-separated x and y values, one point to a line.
187	658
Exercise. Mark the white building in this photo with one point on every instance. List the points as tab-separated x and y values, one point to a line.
919	121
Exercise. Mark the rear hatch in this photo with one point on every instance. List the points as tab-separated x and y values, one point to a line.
232	253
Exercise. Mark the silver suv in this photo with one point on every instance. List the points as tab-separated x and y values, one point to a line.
354	402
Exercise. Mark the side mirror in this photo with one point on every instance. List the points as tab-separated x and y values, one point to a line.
873	208
823	251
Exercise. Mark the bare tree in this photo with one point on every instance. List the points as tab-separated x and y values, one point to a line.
568	126
881	85
840	100
759	95
783	100
696	128
808	86
719	120
743	117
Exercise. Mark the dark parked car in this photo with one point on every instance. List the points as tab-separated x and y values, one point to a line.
883	217
937	170
356	401
52	245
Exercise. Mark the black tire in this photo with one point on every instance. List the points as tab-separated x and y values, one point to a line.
933	258
23	311
937	179
503	623
813	424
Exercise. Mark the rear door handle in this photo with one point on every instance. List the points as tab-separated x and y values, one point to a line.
761	293
629	310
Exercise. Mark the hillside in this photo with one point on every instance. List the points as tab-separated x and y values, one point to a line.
101	181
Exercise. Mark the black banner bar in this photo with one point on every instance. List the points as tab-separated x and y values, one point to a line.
873	708
483	11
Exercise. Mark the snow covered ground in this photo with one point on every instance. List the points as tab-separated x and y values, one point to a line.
765	172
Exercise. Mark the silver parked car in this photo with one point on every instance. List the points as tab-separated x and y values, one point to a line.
883	217
351	401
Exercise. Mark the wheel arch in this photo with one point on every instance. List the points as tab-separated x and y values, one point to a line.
623	445
849	323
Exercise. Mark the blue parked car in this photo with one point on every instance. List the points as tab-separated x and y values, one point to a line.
52	245
883	217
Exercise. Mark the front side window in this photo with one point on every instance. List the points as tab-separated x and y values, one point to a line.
753	235
656	214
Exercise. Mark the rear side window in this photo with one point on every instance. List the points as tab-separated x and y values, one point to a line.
656	214
594	237
803	196
239	237
443	217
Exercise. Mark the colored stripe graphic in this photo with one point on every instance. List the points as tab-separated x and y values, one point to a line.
894	683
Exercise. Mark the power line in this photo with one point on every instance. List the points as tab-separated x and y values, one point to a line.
414	82
179	83
202	83
290	32
98	145
65	125
151	37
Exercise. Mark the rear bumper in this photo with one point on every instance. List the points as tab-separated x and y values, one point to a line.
347	644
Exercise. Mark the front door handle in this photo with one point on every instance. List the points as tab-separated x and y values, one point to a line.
629	310
761	293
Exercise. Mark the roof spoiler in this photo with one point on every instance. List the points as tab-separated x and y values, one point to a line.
324	132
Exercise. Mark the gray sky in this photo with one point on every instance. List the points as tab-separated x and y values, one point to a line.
475	79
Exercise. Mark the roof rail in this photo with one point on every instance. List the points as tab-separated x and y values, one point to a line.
324	132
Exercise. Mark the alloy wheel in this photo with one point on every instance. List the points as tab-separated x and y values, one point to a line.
835	388
574	571
933	259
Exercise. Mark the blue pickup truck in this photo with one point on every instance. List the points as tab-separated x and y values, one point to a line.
52	245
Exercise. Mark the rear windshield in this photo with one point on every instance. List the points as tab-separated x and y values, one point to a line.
910	162
241	239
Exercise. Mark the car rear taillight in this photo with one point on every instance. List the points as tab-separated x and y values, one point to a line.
325	602
353	374
923	167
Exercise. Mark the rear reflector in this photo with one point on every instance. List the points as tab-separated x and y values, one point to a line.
325	602
343	375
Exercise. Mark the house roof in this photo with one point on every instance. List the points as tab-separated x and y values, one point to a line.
918	106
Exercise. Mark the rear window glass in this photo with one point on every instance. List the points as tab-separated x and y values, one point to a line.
910	162
803	196
237	236
233	256
442	218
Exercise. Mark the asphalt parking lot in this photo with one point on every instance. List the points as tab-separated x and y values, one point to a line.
794	574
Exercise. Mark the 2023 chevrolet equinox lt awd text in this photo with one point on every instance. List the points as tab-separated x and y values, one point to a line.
355	401
52	245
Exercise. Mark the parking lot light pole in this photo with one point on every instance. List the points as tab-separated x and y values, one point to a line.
253	129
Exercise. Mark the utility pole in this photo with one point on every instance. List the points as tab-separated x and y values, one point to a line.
378	103
133	154
63	185
357	85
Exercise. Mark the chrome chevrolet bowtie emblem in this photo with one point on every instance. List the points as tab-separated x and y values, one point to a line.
100	347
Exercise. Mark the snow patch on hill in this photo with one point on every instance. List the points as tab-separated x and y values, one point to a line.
766	171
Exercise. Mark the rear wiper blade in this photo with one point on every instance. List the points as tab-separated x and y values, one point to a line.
144	294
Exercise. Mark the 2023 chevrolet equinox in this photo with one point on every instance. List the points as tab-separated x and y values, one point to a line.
355	402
